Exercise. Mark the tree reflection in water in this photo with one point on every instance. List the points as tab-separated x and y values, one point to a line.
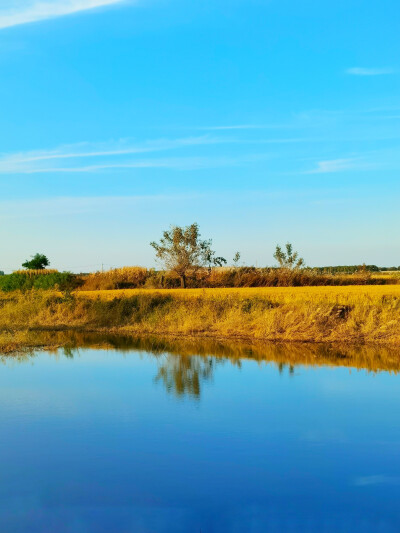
187	363
183	374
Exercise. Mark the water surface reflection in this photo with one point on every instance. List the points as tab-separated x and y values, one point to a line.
184	363
154	435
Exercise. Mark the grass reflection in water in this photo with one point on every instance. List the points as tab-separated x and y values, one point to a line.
185	364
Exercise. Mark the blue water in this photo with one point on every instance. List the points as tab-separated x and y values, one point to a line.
109	441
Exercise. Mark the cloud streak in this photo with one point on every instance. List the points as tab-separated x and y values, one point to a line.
361	71
108	154
338	165
245	127
27	11
112	148
174	163
74	205
115	155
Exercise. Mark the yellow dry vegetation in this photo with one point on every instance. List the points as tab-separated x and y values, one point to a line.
351	314
38	272
343	294
115	277
312	314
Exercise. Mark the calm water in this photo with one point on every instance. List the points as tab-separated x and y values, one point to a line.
144	437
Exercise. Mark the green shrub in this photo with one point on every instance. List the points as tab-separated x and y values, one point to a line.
62	281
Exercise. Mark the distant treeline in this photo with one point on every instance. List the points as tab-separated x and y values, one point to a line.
352	269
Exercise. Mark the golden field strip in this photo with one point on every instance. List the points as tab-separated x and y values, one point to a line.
343	294
349	314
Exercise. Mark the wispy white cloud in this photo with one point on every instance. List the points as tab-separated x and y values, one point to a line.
245	127
63	205
236	127
74	205
383	159
108	155
19	12
112	148
361	71
175	163
338	165
115	155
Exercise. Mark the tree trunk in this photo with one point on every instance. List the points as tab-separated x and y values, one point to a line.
183	281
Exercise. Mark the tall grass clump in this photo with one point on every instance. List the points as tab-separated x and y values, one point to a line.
138	277
36	272
283	277
117	278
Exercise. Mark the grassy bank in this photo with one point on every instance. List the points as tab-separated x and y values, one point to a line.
364	314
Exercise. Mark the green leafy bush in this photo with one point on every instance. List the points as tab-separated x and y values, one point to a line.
62	281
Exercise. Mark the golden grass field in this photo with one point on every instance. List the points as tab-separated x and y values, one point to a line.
350	314
344	294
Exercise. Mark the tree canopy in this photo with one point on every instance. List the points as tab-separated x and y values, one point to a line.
38	262
182	250
288	259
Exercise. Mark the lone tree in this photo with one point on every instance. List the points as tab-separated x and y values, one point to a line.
182	251
289	260
38	262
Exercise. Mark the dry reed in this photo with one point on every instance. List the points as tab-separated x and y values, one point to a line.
115	279
136	277
37	272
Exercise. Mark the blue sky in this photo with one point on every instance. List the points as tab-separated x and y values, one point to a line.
263	120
